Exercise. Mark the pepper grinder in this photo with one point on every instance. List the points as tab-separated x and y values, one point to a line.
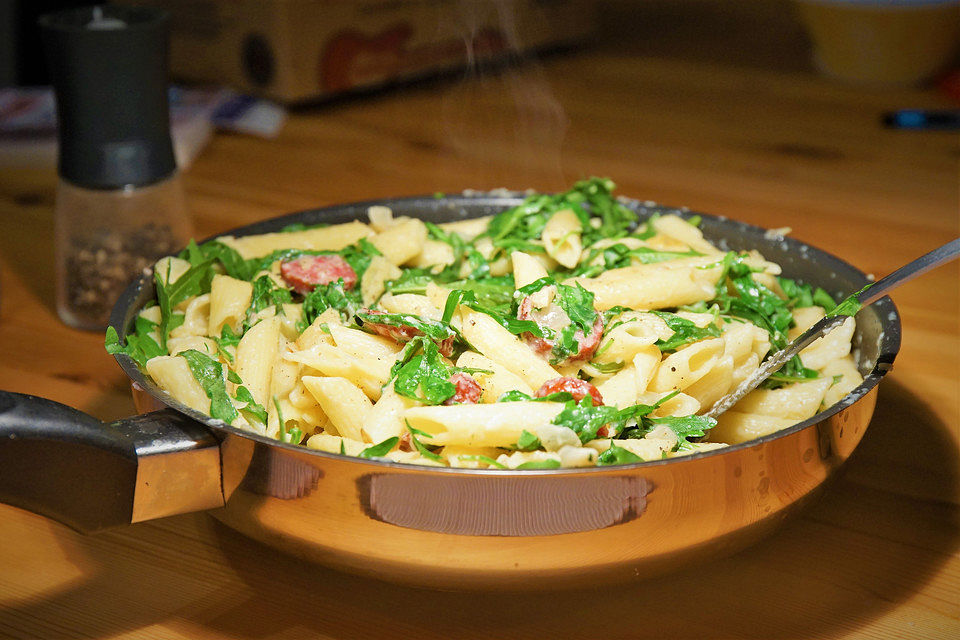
119	203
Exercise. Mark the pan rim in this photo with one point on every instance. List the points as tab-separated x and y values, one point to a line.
886	311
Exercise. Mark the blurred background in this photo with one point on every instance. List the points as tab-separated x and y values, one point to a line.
496	97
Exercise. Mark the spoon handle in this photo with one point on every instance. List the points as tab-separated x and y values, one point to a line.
824	326
910	271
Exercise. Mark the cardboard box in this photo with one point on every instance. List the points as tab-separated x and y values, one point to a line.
302	50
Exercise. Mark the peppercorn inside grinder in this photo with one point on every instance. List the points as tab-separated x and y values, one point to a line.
119	203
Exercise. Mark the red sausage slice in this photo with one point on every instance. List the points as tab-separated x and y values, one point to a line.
588	344
468	390
403	333
305	273
576	387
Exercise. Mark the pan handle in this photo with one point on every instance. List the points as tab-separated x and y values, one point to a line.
90	475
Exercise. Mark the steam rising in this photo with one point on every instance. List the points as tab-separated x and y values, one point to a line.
504	125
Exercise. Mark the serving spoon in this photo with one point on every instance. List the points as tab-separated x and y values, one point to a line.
868	295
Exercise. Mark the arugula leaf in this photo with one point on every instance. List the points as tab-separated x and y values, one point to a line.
267	293
804	295
508	322
684	331
227	339
484	459
495	293
684	426
422	448
421	374
379	450
607	367
140	346
436	330
330	296
527	441
233	264
577	303
617	455
647	230
539	464
169	295
299	226
518	227
411	281
585	419
850	305
358	255
477	265
515	395
209	373
252	410
792	372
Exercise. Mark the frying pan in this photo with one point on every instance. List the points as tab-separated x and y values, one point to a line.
442	527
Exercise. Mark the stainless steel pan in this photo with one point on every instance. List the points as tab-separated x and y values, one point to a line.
450	528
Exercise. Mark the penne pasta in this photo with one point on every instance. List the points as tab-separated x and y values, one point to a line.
556	333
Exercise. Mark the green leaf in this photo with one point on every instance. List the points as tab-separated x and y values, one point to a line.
684	331
299	226
528	441
227	339
823	299
169	295
252	411
607	367
577	303
646	255
463	253
518	227
515	395
793	371
647	230
379	450
508	322
209	373
421	374
617	455
330	296
484	459
436	330
267	293
850	305
539	464
803	295
684	426
140	345
585	419
426	453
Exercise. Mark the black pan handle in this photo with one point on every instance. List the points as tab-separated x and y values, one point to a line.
90	475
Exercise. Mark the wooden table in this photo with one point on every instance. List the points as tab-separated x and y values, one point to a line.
876	557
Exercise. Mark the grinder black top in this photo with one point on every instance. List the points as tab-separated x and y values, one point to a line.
109	69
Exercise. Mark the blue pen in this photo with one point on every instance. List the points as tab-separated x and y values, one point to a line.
943	119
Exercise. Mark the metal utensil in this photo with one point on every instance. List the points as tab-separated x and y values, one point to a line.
825	325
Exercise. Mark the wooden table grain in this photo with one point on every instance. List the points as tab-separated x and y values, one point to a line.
876	557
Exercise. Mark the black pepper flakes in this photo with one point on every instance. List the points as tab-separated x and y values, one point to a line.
101	263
